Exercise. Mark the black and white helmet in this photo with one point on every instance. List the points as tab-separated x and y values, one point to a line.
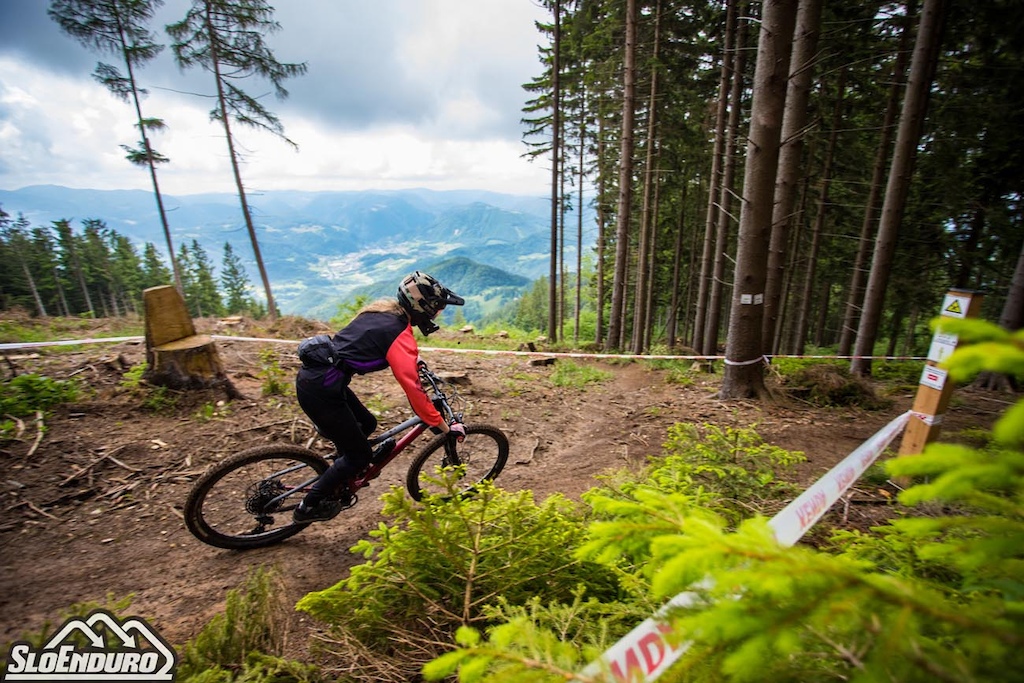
423	297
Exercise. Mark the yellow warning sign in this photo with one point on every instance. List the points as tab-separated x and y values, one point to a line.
955	306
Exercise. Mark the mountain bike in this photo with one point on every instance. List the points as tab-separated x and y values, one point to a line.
246	500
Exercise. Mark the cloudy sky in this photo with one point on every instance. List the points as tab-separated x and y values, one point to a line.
398	93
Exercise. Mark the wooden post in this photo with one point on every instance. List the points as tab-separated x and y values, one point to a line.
177	357
935	389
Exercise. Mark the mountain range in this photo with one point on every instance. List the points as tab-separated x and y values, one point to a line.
322	249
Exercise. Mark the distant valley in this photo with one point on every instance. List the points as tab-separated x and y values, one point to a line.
324	248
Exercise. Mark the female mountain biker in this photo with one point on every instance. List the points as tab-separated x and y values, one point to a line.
379	336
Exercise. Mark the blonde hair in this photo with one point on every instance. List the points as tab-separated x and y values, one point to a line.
384	306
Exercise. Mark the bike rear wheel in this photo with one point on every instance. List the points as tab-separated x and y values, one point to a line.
483	454
238	504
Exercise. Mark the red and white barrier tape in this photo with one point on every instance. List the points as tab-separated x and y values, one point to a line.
644	653
441	349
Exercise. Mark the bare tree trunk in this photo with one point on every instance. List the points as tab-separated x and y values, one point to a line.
784	329
556	130
794	122
601	237
744	364
579	227
819	220
648	330
726	191
615	330
561	245
80	273
855	295
1012	316
233	155
646	249
32	287
671	324
1011	319
824	298
915	108
151	164
711	221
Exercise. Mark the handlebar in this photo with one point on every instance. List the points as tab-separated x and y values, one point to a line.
441	399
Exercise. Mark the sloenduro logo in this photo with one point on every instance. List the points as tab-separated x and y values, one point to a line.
139	653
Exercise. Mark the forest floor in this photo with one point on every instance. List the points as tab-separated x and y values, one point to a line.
92	498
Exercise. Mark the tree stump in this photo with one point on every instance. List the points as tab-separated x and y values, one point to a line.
176	356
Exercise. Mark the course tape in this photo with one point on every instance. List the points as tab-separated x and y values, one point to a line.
645	653
440	349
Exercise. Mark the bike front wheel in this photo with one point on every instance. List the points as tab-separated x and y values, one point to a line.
246	501
481	455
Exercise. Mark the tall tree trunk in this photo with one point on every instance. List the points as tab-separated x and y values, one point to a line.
62	299
671	324
151	165
819	219
615	330
824	298
233	155
915	108
561	240
725	194
556	142
692	274
581	176
744	353
711	220
646	249
1011	318
794	121
32	287
907	348
855	294
786	328
649	307
894	333
602	220
80	274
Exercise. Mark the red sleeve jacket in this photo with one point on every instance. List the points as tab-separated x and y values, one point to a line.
376	340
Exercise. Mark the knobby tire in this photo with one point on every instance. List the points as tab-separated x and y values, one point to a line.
226	506
483	453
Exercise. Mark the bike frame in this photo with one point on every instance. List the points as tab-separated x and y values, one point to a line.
415	424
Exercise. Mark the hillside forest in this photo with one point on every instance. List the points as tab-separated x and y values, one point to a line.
765	177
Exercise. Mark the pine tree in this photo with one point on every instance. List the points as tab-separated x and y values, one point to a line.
120	27
154	272
15	236
235	282
225	38
201	295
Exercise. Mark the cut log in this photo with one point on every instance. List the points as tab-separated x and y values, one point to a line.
177	357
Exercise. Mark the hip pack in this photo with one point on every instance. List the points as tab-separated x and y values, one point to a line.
318	352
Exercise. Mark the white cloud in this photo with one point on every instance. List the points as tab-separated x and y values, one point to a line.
433	101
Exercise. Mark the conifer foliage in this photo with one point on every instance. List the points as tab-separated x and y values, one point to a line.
935	595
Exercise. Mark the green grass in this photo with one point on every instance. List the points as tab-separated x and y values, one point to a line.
33	330
570	374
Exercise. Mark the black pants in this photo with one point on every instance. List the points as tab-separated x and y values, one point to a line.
341	417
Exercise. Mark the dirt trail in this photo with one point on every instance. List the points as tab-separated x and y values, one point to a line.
95	510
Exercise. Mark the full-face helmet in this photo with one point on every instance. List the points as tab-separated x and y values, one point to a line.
423	297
